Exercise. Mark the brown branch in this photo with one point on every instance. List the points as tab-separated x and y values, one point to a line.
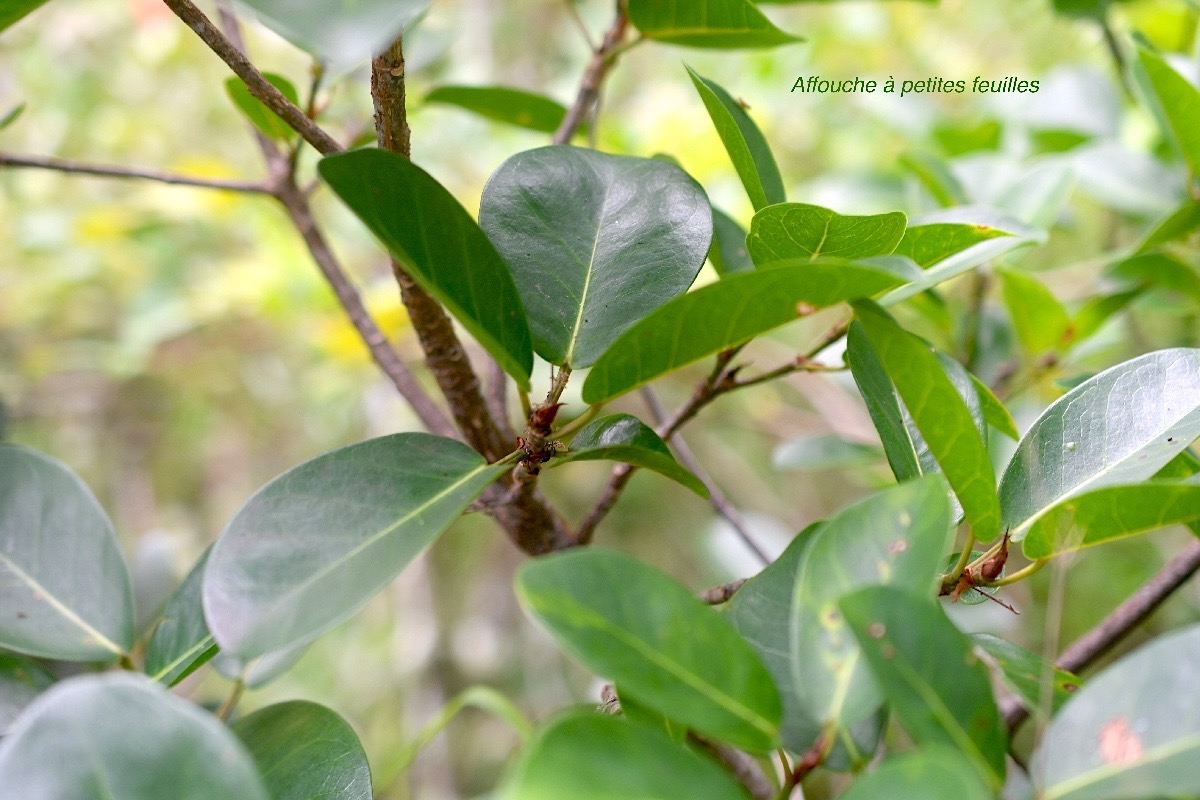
259	86
603	58
744	767
13	161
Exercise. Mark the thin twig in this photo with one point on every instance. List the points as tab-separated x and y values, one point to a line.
603	57
13	161
744	767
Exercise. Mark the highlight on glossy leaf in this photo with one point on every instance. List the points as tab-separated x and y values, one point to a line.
800	230
723	24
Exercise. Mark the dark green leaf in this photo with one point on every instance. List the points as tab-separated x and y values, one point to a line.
312	546
993	410
589	756
1039	319
21	680
64	586
744	142
13	10
721	24
1119	427
932	771
671	652
928	244
799	230
305	751
728	252
943	418
1026	673
263	118
440	246
897	432
936	685
1133	731
181	643
625	438
1179	102
100	737
595	242
824	452
723	315
503	104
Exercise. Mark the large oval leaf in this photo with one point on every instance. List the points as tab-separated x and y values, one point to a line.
931	772
589	756
622	437
897	536
800	230
706	23
21	681
305	751
64	585
1121	426
439	245
100	737
936	685
747	147
595	242
629	622
1133	731
725	314
181	643
503	104
314	545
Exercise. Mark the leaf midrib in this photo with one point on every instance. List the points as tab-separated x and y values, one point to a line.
1092	777
589	270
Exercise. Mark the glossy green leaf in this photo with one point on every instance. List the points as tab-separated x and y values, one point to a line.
1119	427
590	756
13	10
932	771
943	418
625	438
1109	513
901	441
100	737
1160	269
994	411
305	751
263	118
1181	224
724	24
799	230
937	687
595	242
744	142
1024	672
503	104
897	536
440	246
824	452
1179	102
315	544
1039	319
1132	732
341	34
930	243
64	585
664	647
181	643
728	252
21	681
723	315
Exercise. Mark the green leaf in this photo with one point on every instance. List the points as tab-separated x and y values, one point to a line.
744	142
1160	269
626	438
901	441
1024	672
725	314
728	252
936	176
263	118
1095	312
440	246
589	756
629	622
305	751
64	585
261	670
13	10
181	643
1109	513
595	242
828	451
930	243
936	685
100	737
341	34
897	536
1133	731
799	230
12	114
1179	225
315	544
943	418
994	411
723	24
503	104
21	681
1179	102
1040	320
932	771
1120	426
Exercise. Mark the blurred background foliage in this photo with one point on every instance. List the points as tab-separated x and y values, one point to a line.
177	347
